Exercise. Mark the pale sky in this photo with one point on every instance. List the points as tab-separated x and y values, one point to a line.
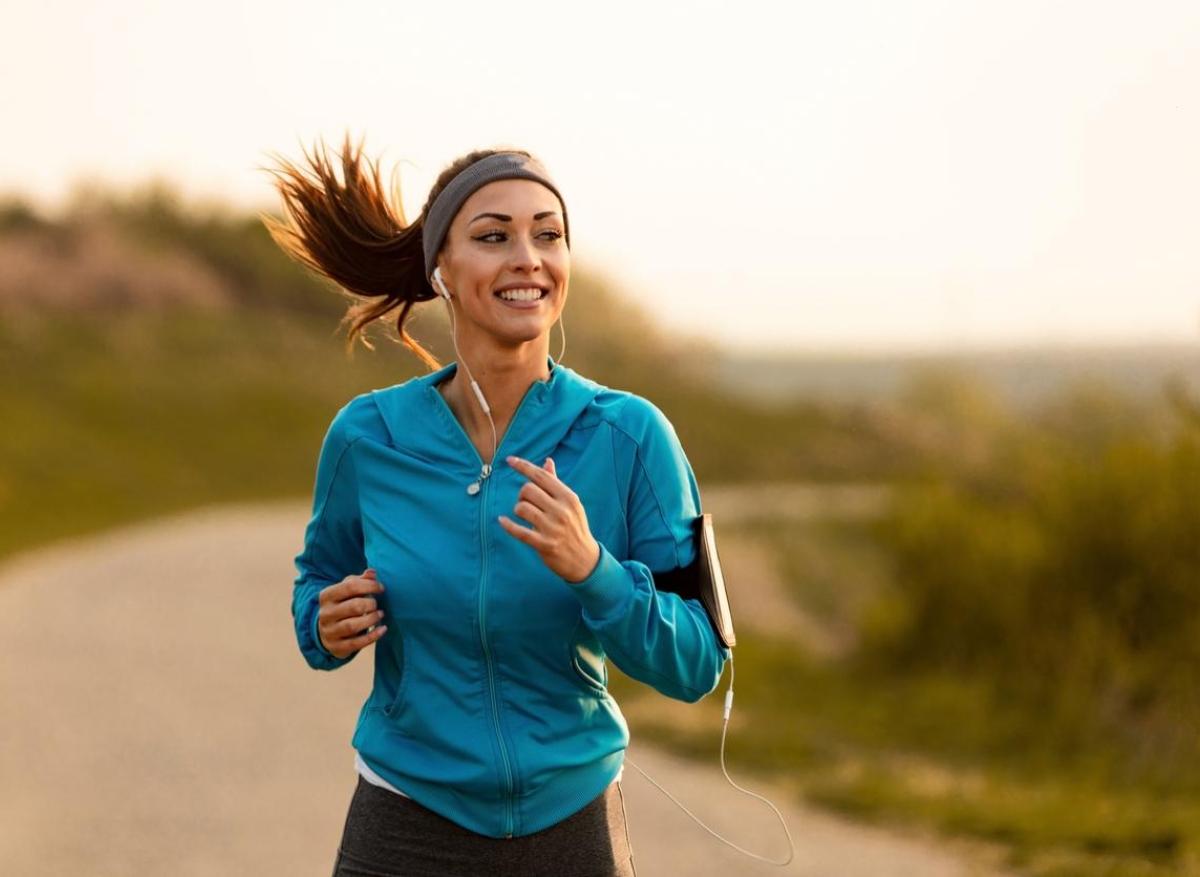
806	176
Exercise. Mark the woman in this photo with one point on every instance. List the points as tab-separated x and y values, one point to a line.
494	532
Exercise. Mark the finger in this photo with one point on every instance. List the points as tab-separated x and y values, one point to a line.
550	467
536	495
530	537
333	613
353	586
531	513
336	633
513	528
366	639
539	476
367	583
351	627
352	607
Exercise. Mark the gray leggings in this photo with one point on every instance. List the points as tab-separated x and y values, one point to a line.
389	835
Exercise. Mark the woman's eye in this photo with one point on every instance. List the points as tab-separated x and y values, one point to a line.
494	237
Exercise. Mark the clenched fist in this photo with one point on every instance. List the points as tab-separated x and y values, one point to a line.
346	611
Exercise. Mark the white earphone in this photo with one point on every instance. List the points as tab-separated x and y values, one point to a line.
437	279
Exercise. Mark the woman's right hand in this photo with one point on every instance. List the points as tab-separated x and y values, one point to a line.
346	610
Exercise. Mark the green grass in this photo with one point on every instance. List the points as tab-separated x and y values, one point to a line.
153	415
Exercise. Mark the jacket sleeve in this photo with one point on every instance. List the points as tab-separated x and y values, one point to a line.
333	541
655	637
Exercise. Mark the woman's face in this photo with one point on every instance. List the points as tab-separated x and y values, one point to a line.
508	235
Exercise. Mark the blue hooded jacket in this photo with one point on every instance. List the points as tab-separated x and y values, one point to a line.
490	703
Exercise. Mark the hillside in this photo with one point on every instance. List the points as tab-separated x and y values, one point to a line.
1025	377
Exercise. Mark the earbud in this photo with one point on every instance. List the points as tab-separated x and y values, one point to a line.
437	279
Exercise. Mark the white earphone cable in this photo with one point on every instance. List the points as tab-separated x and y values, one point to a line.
725	727
437	276
487	467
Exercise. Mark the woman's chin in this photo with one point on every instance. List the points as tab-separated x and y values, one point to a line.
520	331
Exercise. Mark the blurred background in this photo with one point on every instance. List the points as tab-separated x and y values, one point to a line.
918	284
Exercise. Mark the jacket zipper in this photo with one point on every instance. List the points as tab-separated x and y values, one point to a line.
508	818
482	496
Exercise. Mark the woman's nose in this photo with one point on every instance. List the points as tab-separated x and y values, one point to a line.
524	254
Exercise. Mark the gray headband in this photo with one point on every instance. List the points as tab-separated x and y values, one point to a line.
498	166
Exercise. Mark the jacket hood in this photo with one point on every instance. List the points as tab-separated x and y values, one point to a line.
546	413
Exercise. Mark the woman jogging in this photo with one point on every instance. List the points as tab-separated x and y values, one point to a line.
493	528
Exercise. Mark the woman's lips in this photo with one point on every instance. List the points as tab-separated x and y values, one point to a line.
524	305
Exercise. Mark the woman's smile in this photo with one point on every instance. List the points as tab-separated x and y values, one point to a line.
522	298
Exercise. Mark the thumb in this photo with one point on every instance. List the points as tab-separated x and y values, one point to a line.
549	466
369	571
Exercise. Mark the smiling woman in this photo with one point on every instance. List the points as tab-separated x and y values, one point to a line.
518	260
508	519
355	234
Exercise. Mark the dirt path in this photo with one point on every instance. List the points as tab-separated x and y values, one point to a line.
159	719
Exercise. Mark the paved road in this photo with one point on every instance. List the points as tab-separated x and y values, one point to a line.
157	718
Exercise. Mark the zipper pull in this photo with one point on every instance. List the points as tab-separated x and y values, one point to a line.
473	487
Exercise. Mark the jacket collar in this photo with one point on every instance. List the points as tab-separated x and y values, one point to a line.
421	423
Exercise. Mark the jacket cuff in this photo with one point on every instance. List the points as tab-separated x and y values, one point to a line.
607	589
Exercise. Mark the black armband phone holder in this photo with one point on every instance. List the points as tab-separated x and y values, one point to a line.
702	580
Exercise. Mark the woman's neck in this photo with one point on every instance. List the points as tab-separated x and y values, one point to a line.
504	384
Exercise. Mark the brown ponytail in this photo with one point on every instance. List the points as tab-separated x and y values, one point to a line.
354	233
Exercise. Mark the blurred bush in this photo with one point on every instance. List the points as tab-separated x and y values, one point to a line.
1062	568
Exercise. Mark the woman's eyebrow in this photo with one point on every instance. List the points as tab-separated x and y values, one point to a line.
503	217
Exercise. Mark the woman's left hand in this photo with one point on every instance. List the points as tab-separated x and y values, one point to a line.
560	531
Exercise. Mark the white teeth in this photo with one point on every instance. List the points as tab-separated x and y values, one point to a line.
529	294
